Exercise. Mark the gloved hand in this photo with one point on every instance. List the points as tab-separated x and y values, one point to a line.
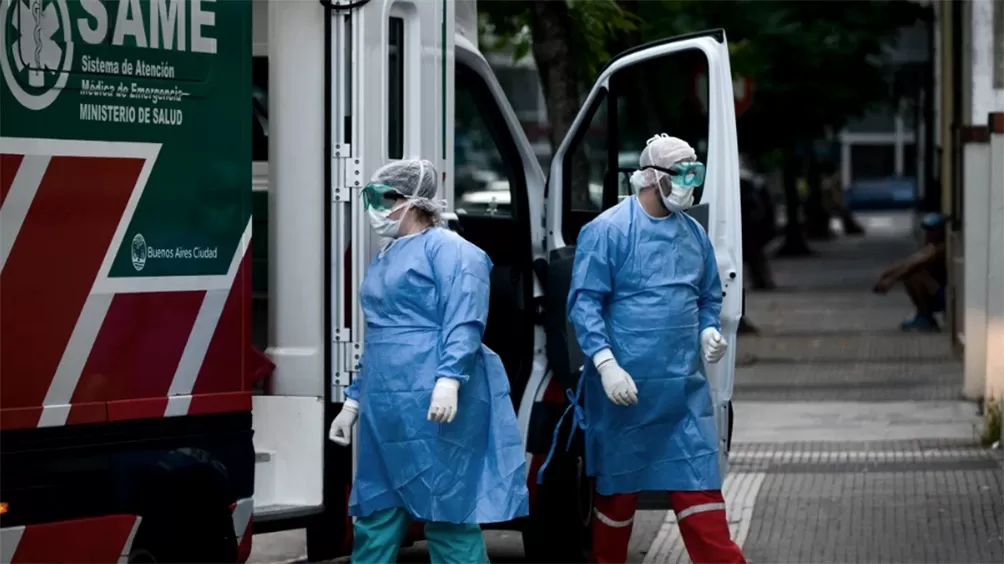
713	345
617	383
443	407
341	428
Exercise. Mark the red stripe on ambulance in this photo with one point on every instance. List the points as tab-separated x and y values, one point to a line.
80	347
98	539
224	367
138	348
53	264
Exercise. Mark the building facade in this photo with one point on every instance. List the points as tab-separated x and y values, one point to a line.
970	107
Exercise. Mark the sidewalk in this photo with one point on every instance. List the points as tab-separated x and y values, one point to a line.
851	443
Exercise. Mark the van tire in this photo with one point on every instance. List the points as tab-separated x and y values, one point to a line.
558	529
185	535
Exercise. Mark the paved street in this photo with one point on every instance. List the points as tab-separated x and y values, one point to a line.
851	442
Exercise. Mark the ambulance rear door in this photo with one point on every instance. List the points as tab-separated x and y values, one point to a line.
681	86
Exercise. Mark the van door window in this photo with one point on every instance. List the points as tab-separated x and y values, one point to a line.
395	89
484	177
661	95
490	198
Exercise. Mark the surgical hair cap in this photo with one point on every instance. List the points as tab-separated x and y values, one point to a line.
417	180
662	151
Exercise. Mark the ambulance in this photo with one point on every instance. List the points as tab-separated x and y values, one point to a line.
181	180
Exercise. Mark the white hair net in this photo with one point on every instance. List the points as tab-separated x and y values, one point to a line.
662	151
417	180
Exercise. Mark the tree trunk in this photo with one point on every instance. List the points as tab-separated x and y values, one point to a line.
817	218
551	29
794	240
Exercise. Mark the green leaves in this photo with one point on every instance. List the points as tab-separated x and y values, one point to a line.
597	21
506	26
815	65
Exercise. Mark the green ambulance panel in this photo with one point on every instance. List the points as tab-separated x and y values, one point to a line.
170	72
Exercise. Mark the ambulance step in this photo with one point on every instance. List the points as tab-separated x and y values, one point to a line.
282	512
264	478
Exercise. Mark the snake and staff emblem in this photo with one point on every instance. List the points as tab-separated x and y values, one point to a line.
37	57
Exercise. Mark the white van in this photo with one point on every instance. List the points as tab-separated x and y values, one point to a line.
352	85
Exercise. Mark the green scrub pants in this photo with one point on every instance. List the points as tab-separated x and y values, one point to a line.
377	539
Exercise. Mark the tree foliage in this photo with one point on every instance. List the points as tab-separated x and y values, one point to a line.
568	40
507	25
815	65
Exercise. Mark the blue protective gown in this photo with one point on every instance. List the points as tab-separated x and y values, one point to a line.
646	288
425	300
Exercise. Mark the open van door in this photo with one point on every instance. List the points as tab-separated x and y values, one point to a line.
681	86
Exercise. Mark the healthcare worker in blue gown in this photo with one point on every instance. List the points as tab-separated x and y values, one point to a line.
438	439
645	302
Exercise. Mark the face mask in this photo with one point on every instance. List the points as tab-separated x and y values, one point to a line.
679	199
382	224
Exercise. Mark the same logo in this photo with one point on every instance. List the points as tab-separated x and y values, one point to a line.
37	58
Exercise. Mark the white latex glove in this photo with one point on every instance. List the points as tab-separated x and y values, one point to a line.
341	428
443	407
617	383
713	345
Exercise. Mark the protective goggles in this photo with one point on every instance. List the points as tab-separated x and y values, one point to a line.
381	197
685	175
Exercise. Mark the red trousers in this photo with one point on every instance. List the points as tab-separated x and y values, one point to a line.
700	516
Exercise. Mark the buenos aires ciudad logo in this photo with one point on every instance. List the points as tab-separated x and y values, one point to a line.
36	50
138	252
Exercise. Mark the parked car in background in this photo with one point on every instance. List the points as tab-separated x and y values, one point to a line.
892	193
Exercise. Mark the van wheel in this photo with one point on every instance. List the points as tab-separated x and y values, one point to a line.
195	535
558	529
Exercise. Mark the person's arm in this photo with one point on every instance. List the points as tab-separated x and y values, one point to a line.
927	255
709	302
462	273
924	258
592	284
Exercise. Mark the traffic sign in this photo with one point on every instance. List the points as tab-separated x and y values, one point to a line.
742	91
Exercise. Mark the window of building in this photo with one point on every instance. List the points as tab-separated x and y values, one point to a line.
910	160
395	90
882	119
869	162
